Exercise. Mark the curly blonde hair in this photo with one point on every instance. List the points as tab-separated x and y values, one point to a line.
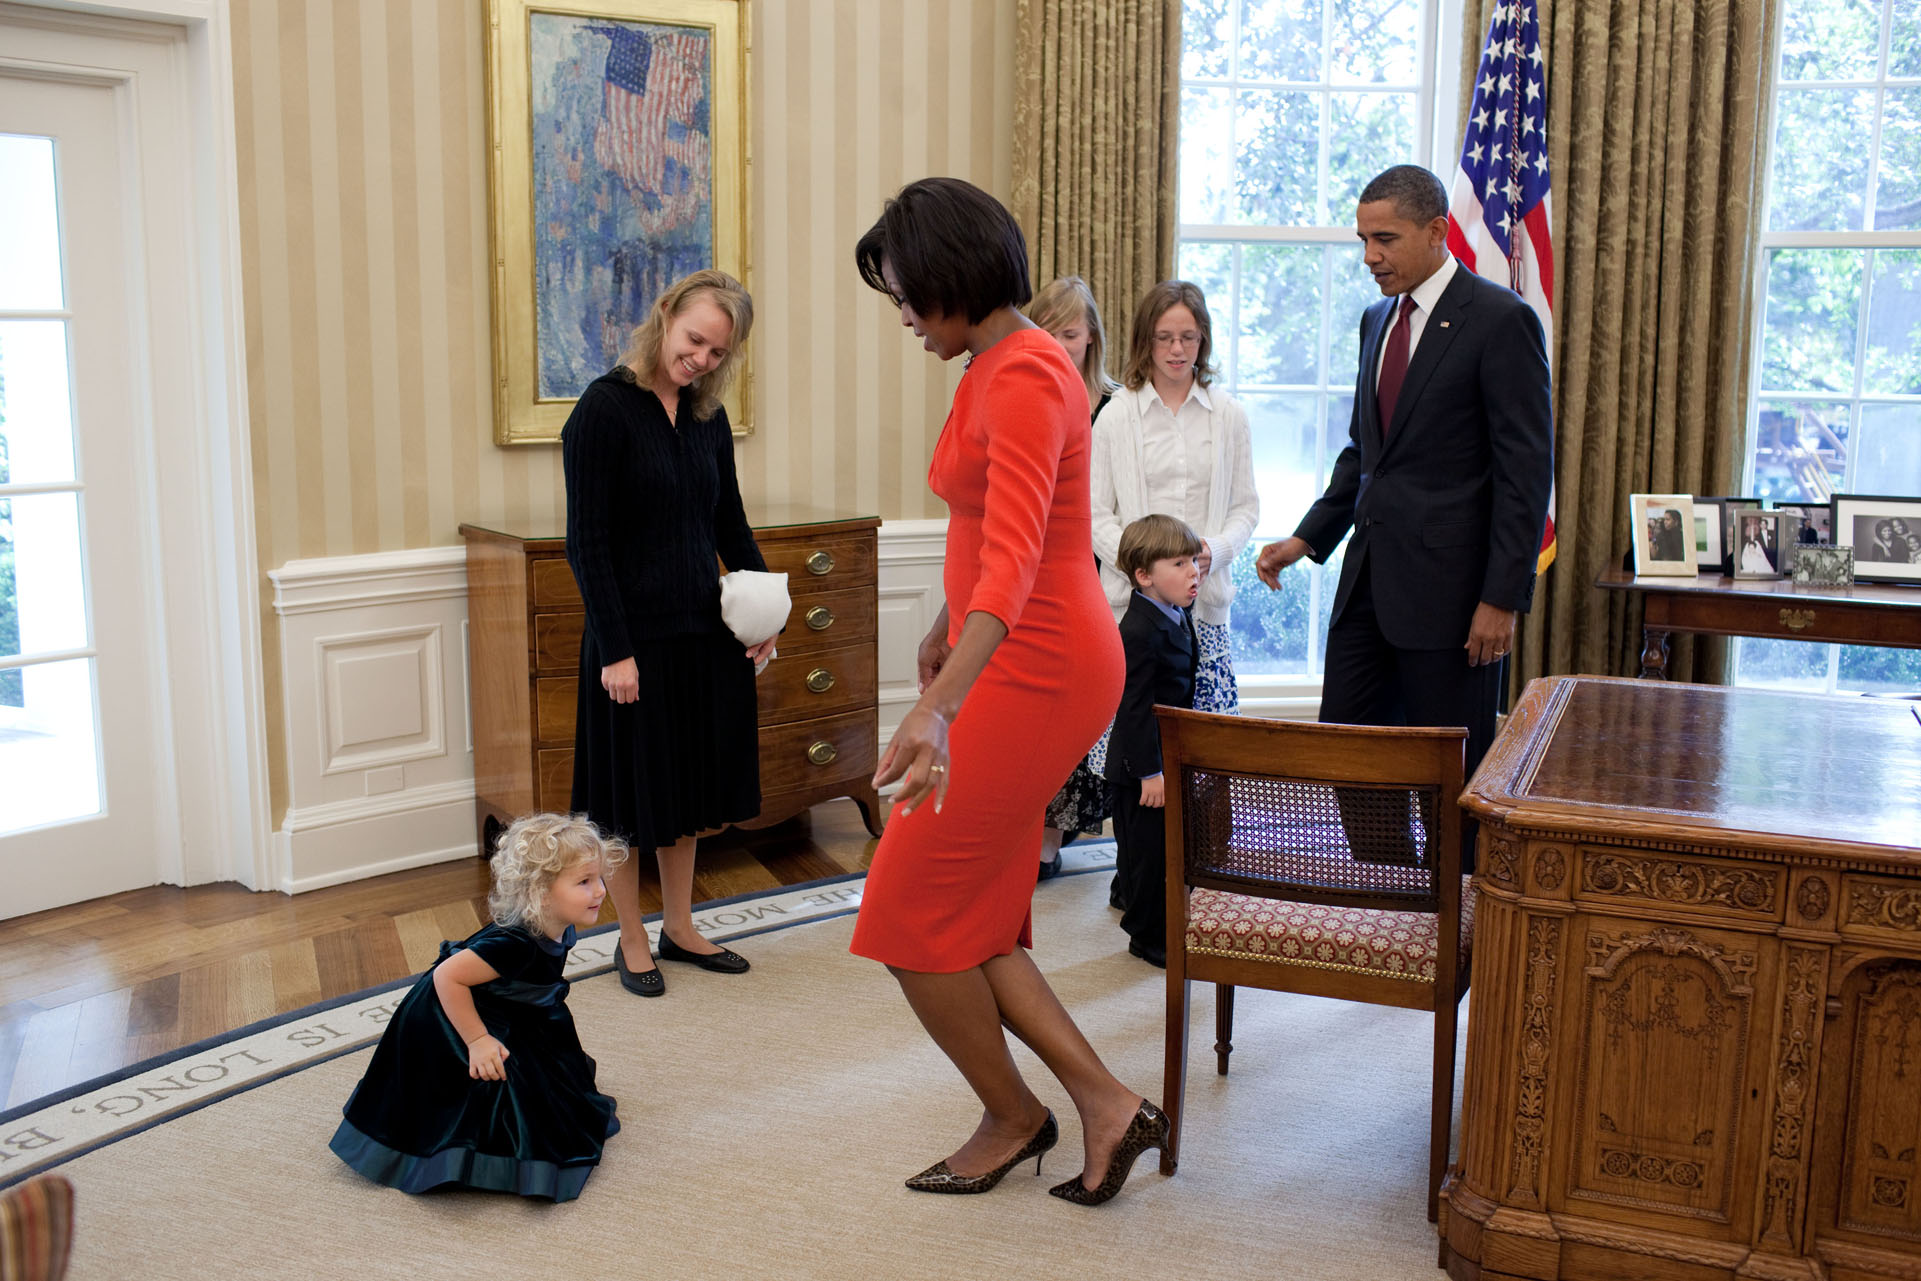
643	344
1067	302
532	853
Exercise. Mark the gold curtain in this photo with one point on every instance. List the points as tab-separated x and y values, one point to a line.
1097	108
1657	115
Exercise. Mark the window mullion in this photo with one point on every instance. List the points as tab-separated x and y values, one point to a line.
1234	320
1859	385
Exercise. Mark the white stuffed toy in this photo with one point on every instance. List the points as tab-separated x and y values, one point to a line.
754	606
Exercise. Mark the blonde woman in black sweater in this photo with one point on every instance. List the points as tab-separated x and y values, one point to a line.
665	737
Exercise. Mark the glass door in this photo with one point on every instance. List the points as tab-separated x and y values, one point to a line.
83	764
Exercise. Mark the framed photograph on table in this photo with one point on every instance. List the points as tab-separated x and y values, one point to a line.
1731	508
617	165
1814	522
1757	545
1885	533
1662	529
1710	535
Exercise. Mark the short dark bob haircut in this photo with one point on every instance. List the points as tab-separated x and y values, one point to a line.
954	249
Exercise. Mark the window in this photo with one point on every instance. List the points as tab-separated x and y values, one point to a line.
1836	375
1288	107
49	764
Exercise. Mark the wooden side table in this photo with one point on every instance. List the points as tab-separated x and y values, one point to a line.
1694	1048
819	710
1770	608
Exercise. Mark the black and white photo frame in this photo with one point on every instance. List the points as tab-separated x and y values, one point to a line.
1885	532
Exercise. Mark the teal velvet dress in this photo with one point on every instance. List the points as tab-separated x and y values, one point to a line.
417	1121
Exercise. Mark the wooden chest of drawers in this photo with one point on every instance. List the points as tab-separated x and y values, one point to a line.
819	729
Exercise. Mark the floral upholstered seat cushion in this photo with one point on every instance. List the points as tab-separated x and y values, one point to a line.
1362	940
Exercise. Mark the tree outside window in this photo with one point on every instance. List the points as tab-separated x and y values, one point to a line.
1288	107
1837	361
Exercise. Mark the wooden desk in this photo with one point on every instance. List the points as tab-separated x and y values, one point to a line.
1694	1047
819	708
1863	614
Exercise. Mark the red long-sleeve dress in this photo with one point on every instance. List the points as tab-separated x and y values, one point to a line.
950	890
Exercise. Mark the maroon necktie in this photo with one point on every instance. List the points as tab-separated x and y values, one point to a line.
1393	365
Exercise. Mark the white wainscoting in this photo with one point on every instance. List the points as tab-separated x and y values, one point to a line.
380	765
911	596
379	742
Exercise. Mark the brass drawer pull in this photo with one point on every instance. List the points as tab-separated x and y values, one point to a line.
820	563
822	753
820	680
1797	619
820	618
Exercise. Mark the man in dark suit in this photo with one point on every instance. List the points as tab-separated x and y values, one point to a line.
1157	634
1444	483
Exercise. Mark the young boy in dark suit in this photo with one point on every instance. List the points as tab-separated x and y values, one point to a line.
1157	634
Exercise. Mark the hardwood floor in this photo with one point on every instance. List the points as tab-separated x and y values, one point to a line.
94	987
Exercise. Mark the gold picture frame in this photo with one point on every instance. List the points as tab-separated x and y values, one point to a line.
643	113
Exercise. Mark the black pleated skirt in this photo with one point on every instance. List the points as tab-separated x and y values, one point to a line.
681	759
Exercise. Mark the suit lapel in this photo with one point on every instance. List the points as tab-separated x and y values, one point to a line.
1436	335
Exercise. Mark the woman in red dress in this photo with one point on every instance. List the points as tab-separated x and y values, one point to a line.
1019	675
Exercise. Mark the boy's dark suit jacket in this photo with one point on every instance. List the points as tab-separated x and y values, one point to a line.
1161	658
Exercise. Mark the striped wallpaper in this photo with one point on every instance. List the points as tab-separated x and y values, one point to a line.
363	208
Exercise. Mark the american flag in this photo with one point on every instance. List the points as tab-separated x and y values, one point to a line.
1498	223
653	87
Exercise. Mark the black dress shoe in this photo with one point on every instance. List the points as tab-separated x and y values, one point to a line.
1050	870
1114	899
1154	954
721	962
645	983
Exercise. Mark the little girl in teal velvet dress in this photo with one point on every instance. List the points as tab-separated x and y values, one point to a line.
480	1080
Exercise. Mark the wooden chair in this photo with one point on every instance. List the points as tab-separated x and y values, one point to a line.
36	1229
1321	859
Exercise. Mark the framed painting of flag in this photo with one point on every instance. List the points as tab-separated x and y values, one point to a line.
617	165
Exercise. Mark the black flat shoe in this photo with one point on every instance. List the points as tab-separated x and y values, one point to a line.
1147	1130
938	1178
645	983
1153	953
721	962
1050	870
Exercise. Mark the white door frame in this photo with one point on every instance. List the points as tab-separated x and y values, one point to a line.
194	390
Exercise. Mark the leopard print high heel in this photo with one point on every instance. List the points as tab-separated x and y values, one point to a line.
938	1178
1147	1130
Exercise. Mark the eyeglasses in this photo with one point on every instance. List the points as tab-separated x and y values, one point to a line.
1188	339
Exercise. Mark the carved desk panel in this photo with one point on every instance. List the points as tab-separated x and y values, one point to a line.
1694	1048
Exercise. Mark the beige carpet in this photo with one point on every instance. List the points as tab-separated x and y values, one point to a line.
769	1119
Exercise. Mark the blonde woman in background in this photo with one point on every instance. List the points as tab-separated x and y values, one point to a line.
1066	309
667	732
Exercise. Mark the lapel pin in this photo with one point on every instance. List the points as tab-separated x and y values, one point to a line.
1446	323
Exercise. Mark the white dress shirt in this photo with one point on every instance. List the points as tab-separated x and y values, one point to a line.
1425	296
1178	449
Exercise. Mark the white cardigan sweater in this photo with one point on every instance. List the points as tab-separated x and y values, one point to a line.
1120	495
